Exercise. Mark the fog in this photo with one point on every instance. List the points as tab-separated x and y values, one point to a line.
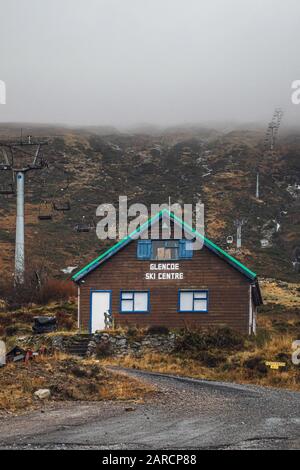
164	62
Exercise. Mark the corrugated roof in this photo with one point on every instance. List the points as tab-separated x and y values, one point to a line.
134	235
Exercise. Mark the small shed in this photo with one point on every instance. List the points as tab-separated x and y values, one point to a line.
163	282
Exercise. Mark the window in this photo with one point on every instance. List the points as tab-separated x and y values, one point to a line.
193	301
134	302
164	249
144	249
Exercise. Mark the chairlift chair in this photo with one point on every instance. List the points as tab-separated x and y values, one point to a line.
229	239
61	206
45	211
61	203
7	189
83	226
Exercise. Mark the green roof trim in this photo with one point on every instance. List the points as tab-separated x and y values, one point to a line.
116	245
89	267
216	247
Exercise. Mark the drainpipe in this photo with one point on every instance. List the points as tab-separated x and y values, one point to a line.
78	307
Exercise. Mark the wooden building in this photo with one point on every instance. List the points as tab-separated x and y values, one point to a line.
163	282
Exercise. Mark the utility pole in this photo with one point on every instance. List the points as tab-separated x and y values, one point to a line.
239	224
19	159
257	184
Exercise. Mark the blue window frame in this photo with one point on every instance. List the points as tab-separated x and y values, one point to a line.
135	302
144	249
185	249
193	301
162	250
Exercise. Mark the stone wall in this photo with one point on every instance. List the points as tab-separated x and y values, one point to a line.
103	344
121	345
53	342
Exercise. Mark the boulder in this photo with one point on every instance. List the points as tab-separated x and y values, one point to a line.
42	394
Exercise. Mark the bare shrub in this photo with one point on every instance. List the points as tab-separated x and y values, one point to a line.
65	321
158	330
200	340
11	330
257	365
54	289
103	349
34	292
211	359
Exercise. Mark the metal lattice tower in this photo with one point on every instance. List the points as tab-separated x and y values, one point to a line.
17	158
272	130
270	141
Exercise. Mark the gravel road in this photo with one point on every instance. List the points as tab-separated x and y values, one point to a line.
184	414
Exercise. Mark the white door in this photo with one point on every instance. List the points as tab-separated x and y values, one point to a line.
100	304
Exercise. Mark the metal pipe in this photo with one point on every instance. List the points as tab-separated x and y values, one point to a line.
257	185
20	245
239	237
78	310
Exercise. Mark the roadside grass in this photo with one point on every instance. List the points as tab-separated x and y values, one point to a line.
69	379
243	367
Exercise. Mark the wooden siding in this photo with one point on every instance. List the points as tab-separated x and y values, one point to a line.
228	291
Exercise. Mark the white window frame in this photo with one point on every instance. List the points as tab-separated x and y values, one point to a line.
129	295
194	294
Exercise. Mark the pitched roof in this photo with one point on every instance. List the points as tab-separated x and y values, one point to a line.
135	234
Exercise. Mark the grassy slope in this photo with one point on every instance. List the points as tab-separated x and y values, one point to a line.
98	169
19	322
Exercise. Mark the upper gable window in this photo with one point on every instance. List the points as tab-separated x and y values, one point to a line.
161	250
165	250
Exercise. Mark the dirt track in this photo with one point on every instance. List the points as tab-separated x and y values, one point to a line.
186	414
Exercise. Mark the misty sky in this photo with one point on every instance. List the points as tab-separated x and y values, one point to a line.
125	62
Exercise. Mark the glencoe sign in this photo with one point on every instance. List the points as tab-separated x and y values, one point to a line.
164	271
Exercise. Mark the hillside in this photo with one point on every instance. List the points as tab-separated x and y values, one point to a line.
91	166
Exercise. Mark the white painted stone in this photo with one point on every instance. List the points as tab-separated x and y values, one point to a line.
43	394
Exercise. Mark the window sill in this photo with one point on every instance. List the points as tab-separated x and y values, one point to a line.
133	313
193	311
